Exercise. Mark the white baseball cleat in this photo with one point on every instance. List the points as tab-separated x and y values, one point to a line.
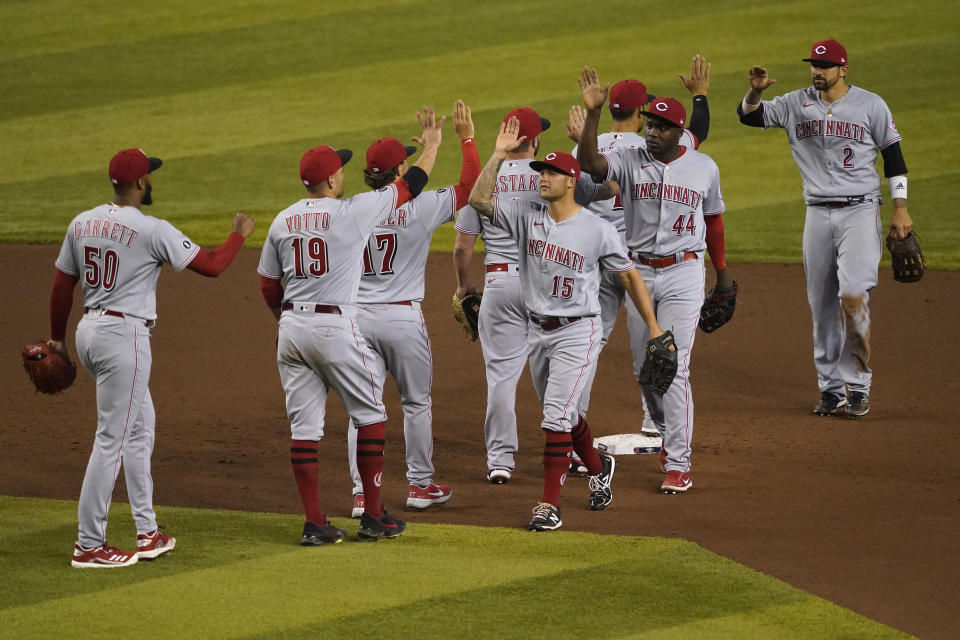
498	476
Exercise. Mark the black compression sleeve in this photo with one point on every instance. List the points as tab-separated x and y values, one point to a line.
893	164
700	118
416	179
754	118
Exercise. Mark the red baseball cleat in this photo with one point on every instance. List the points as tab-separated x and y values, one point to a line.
105	556
154	544
676	482
423	497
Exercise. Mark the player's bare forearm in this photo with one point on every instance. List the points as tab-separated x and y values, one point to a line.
481	197
462	257
587	155
634	285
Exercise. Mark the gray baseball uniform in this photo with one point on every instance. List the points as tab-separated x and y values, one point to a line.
315	248
503	314
664	207
835	146
118	252
393	325
560	267
612	293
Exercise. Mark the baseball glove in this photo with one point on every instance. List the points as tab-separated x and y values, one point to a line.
718	308
660	364
466	311
906	257
49	371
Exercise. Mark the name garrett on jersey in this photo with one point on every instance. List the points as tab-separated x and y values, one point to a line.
106	229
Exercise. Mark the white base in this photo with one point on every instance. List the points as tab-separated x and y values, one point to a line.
628	443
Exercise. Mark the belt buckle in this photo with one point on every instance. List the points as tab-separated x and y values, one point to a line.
856	199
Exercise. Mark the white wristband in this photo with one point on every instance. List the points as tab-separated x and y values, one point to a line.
898	187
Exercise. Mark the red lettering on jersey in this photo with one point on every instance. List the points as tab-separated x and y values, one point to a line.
548	251
535	247
133	236
401	217
534	182
94	230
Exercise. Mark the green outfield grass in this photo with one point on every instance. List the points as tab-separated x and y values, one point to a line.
230	95
242	575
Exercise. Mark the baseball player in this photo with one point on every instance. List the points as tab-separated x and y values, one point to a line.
117	251
561	248
503	317
310	270
627	98
835	130
388	301
671	204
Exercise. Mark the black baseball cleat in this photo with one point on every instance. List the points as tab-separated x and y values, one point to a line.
859	404
830	405
546	517
317	536
600	492
383	527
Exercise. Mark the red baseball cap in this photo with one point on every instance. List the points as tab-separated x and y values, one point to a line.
828	53
628	94
130	165
667	109
558	161
531	124
387	153
321	162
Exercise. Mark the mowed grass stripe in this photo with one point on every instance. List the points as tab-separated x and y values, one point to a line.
239	575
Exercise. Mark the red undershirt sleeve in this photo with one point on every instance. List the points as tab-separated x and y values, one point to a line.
61	301
272	291
716	242
469	171
403	192
213	262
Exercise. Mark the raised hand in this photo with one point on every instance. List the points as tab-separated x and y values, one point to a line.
759	80
594	94
574	123
699	81
509	138
431	135
243	224
462	122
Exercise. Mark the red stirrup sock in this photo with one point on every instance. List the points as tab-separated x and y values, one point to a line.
303	459
370	441
556	463
583	445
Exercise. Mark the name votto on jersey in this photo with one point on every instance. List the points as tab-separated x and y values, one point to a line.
550	252
832	128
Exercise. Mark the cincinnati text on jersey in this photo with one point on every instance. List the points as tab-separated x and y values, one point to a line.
555	253
834	128
107	229
661	191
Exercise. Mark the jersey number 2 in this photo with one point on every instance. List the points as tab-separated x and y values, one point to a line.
316	265
100	272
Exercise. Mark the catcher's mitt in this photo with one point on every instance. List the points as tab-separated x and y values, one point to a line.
49	371
466	311
718	307
906	257
660	364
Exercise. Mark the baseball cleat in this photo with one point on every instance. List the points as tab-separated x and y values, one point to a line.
649	427
106	556
154	544
498	476
830	404
577	466
600	492
385	526
317	536
858	404
423	497
546	517
676	482
357	510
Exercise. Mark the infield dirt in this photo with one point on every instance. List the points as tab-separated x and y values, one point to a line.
865	513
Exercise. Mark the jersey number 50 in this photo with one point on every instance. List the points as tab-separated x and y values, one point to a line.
316	263
100	272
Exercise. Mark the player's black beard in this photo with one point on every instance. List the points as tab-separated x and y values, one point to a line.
148	195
